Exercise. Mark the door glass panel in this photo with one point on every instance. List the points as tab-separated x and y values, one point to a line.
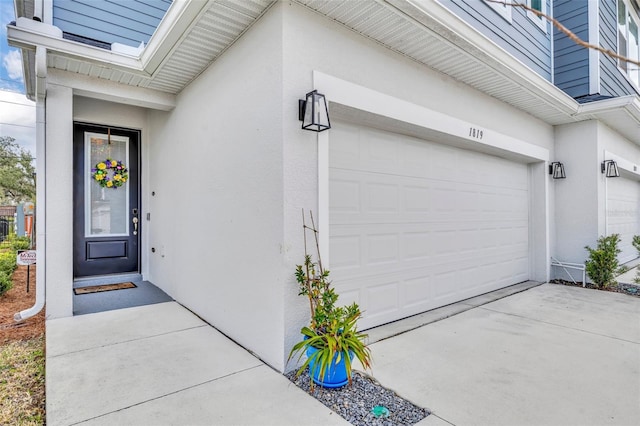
106	208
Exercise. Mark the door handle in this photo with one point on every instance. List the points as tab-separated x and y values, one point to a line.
135	225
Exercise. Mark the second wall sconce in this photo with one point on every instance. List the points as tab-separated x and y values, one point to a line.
556	170
610	168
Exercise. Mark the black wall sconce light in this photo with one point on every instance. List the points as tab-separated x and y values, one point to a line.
610	168
556	170
313	112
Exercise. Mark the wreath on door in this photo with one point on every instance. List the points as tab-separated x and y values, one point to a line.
110	173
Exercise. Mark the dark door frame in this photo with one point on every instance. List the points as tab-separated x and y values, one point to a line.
82	266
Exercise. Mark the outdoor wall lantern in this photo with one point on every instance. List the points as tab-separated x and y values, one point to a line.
556	170
313	112
610	168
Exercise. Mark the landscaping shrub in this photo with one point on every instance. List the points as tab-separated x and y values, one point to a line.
20	243
5	282
8	261
602	264
7	266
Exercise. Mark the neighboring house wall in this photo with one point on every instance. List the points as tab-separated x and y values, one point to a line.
612	80
520	36
571	61
218	156
577	205
130	22
581	199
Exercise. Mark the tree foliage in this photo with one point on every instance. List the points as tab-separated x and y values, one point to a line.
16	172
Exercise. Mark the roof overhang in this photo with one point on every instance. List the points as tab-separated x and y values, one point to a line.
194	33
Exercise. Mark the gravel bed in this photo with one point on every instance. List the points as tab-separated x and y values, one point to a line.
630	289
355	402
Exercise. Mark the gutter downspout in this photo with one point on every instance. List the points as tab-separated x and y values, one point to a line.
41	91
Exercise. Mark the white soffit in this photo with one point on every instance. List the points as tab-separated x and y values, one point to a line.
428	33
215	30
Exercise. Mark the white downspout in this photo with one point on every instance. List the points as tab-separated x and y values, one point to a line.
41	88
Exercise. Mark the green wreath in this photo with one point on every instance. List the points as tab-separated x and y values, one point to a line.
110	173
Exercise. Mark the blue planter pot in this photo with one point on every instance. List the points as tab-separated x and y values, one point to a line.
335	375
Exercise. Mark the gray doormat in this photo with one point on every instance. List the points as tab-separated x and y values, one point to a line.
101	288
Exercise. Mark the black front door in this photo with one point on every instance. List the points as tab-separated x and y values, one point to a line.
106	226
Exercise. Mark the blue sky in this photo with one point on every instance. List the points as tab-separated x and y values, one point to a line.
10	62
17	113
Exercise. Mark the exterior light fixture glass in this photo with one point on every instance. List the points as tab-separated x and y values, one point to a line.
610	168
313	112
556	170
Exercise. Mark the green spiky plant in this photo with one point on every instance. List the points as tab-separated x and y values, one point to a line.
333	329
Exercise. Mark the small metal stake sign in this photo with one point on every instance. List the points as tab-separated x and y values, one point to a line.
26	257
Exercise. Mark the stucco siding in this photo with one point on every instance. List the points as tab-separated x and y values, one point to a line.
216	159
332	49
130	22
576	212
521	37
571	61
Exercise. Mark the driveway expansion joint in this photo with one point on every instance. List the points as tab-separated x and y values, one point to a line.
560	325
167	394
126	341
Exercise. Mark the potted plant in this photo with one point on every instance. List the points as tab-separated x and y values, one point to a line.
331	340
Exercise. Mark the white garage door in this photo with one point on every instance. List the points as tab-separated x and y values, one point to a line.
623	199
415	225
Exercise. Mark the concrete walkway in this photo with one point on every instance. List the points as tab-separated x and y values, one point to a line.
160	364
551	355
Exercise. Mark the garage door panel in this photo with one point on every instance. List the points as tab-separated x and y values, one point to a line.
345	196
623	214
429	226
383	298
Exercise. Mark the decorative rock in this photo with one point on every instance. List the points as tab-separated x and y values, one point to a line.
357	402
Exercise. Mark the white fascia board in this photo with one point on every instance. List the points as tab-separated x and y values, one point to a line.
112	91
624	164
175	25
469	134
462	36
630	104
27	36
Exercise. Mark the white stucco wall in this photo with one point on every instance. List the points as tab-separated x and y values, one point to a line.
215	165
59	201
313	43
580	217
576	197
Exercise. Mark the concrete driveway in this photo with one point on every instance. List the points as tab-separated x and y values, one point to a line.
551	355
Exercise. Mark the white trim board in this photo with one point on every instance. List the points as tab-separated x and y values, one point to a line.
460	132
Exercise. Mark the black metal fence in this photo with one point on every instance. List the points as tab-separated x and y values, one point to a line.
7	227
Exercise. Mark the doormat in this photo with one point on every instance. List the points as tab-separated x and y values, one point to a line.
101	288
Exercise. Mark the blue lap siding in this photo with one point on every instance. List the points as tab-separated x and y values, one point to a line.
128	22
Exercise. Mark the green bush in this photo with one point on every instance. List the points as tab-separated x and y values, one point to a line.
20	243
8	261
5	282
602	264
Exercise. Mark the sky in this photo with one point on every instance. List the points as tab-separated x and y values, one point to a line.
17	113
